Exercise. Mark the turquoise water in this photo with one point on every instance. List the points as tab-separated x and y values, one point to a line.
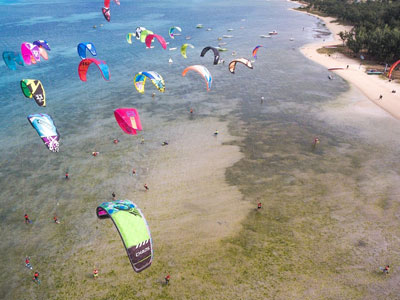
32	177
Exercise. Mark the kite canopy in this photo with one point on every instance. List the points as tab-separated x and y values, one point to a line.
255	50
84	66
171	31
245	61
30	53
140	80
43	44
34	88
128	119
11	59
46	129
203	72
183	49
82	47
106	9
129	37
392	68
216	53
133	229
151	36
143	35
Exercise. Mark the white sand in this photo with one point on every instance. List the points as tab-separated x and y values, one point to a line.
370	85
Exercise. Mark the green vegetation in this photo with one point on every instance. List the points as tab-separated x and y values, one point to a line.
376	24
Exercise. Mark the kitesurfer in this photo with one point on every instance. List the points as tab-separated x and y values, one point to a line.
28	263
347	67
66	175
393	91
165	143
330	77
259	205
27	221
113	195
380	97
153	95
95	273
191	110
142	141
385	270
56	220
146	187
36	277
167	278
216	132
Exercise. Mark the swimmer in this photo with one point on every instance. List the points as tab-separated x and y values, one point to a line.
95	153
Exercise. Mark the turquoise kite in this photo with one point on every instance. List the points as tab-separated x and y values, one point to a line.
11	59
133	229
171	31
140	80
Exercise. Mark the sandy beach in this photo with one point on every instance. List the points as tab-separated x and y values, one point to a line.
370	85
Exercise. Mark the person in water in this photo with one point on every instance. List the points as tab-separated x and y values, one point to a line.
27	221
262	100
113	195
66	175
142	141
146	187
95	273
134	172
380	97
165	143
216	132
316	142
167	278
191	110
95	153
55	219
259	205
116	141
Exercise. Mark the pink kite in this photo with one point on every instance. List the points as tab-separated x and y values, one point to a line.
128	119
150	37
84	66
30	53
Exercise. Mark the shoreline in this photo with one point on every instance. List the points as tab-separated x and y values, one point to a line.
370	85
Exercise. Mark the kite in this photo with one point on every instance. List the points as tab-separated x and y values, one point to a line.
33	88
133	230
46	129
151	36
30	53
11	59
203	72
255	50
216	53
128	119
129	38
245	61
82	47
42	43
106	9
171	31
183	49
84	66
140	80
